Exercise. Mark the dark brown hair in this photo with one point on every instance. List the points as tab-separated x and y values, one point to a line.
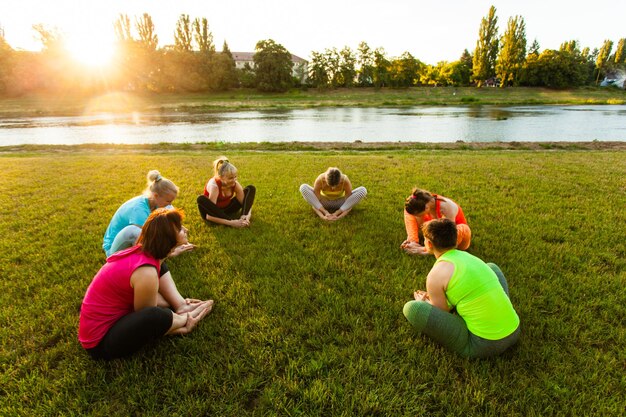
416	203
159	234
441	232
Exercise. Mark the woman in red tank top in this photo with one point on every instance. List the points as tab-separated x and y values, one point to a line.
422	206
224	200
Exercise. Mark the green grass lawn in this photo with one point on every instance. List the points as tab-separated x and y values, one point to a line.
308	317
243	99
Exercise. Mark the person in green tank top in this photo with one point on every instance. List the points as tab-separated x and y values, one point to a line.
466	306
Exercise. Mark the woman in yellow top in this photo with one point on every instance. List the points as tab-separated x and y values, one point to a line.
332	196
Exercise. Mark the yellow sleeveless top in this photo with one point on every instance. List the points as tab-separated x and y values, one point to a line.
334	194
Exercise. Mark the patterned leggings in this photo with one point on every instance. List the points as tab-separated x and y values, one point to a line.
450	330
343	203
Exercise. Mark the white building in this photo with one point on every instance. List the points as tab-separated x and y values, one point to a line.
300	66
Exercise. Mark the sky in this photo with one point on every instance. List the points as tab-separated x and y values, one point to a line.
431	31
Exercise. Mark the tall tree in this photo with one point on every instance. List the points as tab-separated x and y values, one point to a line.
365	62
381	68
486	52
513	52
122	28
603	57
202	35
226	51
183	35
333	60
347	70
318	71
464	68
620	52
148	38
272	64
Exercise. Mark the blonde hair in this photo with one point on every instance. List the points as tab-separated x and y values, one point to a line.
221	167
157	184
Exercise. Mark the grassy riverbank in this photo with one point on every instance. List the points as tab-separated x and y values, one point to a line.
308	315
297	99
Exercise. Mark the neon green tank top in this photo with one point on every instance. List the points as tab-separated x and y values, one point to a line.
479	298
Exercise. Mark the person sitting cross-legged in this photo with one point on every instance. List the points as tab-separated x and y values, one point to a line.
466	306
332	196
126	305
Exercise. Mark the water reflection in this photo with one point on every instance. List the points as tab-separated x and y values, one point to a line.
344	124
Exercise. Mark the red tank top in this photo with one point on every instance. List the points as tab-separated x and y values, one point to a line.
222	200
459	219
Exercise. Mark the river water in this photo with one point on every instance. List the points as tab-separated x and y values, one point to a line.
415	124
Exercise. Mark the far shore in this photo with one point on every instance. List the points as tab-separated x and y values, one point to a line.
245	100
356	146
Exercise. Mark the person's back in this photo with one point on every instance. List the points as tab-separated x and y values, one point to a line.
133	212
476	293
466	307
110	295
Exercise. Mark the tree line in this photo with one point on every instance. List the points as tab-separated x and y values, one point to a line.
497	60
192	63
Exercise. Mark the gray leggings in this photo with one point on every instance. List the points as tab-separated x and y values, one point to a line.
450	330
343	203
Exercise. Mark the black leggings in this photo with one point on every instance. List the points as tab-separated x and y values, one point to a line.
206	206
132	332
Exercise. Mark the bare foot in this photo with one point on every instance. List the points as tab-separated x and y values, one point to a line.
192	306
239	223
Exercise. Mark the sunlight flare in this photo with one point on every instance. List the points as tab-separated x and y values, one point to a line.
91	52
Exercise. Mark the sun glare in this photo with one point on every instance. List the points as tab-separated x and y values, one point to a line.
91	52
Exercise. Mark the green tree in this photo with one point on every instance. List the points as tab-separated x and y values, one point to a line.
603	58
381	68
464	68
405	71
486	52
202	35
513	52
365	63
620	52
148	38
318	70
226	51
555	69
272	65
347	67
333	61
183	34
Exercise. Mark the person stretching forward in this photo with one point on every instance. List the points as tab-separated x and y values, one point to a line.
466	306
332	196
422	206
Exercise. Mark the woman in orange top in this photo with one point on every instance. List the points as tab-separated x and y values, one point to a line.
224	200
422	206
